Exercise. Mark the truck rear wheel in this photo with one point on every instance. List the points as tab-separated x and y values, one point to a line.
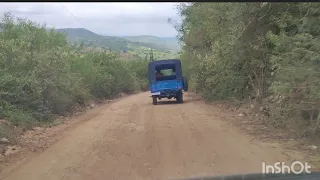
154	100
185	83
179	97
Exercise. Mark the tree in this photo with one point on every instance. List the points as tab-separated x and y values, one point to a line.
255	50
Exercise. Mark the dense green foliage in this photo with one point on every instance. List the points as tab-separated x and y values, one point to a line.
266	51
42	75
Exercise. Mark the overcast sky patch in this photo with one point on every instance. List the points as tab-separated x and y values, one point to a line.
113	19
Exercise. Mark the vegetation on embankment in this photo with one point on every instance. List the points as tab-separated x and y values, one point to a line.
265	52
41	75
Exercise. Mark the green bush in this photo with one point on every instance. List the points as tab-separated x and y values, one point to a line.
256	50
42	75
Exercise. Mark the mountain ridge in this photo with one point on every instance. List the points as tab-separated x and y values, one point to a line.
122	43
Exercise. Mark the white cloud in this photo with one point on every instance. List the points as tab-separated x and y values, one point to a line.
104	18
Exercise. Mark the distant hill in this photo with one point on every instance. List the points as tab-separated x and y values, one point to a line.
128	43
95	40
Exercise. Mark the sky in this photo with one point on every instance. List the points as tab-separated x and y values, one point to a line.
113	19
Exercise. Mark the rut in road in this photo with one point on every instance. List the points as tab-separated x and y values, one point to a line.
133	139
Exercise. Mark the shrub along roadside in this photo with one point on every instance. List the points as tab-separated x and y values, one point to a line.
41	75
265	52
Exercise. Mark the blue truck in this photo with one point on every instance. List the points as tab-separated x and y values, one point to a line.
166	80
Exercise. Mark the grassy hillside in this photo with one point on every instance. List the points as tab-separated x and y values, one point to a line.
169	43
125	44
94	40
144	52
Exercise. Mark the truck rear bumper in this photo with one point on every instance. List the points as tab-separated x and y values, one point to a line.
164	94
155	94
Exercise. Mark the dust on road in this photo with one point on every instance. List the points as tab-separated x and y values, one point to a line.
133	139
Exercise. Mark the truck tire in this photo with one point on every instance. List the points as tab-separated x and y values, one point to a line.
179	97
154	100
185	83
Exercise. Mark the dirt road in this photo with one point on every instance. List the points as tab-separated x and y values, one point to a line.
133	139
